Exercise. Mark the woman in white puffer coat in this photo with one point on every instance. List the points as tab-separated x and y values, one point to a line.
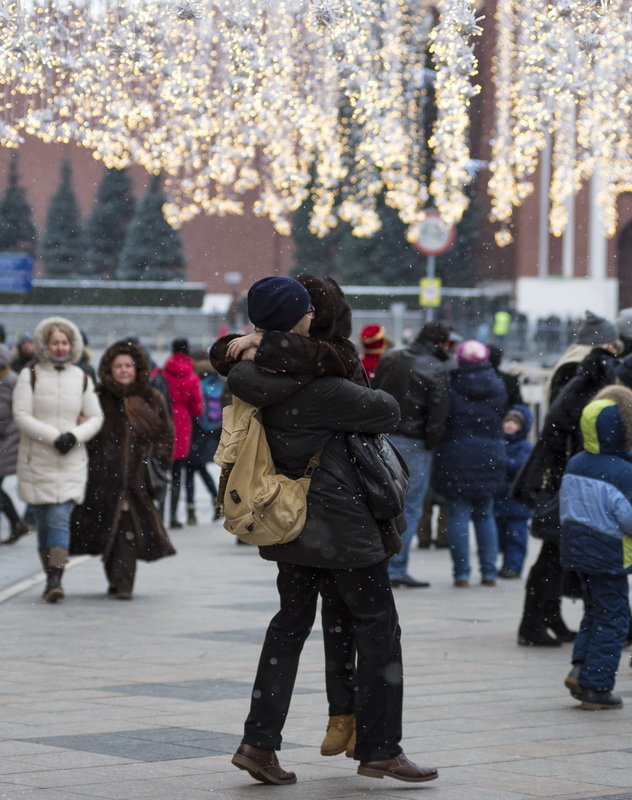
57	411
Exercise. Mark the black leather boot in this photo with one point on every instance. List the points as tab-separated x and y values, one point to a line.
56	560
53	591
533	629
554	621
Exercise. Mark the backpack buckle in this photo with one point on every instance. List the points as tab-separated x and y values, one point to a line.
312	466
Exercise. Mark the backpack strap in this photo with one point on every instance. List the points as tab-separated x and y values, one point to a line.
314	462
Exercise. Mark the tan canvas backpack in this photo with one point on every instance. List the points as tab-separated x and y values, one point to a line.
260	506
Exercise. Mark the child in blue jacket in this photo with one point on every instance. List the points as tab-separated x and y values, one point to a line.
596	542
512	517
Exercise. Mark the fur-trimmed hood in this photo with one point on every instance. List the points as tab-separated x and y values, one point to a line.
622	396
332	313
129	349
42	333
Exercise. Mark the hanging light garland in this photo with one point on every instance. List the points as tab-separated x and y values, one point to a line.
268	105
452	47
563	72
253	103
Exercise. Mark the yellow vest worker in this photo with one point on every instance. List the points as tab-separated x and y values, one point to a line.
502	320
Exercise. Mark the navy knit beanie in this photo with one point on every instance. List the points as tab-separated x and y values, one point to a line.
277	304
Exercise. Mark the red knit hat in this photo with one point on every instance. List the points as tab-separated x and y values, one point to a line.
373	339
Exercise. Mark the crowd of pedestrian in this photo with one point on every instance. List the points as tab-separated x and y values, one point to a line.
98	454
95	452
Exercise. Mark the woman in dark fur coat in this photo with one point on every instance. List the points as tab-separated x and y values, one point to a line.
118	517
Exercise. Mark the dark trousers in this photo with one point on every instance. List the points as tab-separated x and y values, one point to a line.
7	507
190	481
367	595
176	479
513	535
120	566
340	652
603	630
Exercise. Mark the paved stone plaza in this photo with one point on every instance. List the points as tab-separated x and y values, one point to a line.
125	700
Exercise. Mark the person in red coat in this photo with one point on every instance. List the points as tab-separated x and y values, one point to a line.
374	344
186	402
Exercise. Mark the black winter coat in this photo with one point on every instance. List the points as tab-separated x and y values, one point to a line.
560	436
301	415
470	459
417	376
560	430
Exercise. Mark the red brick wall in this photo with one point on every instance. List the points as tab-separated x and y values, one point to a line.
213	245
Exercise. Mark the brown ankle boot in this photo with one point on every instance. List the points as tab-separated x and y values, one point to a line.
56	558
191	518
340	730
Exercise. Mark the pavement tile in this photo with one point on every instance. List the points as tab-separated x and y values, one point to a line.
58	778
142	694
8	792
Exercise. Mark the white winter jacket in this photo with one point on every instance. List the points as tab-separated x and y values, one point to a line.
60	396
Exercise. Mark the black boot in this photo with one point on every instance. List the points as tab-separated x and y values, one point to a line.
532	631
56	558
537	637
191	518
554	621
592	700
53	591
175	494
18	530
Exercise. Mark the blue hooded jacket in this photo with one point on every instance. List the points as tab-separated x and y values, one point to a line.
596	496
518	449
470	458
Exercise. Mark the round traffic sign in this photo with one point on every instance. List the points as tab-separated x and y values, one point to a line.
433	235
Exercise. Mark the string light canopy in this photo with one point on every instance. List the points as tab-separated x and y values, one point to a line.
322	99
563	82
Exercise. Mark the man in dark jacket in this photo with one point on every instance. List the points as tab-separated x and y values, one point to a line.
559	439
340	542
417	377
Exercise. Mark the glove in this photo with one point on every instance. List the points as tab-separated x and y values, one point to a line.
65	442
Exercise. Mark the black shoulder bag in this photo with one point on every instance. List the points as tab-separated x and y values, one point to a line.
383	473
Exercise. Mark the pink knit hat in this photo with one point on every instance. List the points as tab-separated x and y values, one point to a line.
472	352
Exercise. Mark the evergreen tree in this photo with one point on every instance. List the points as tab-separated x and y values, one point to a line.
385	259
62	246
17	231
106	227
317	256
153	249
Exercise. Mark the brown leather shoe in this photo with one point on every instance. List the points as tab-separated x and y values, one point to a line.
262	764
399	768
